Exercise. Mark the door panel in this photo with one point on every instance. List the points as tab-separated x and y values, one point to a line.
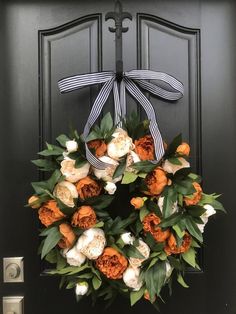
192	40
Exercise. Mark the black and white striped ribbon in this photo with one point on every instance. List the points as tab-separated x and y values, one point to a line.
162	85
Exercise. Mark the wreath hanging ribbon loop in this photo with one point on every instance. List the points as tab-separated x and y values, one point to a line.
162	85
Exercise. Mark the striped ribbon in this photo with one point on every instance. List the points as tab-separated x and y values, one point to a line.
157	83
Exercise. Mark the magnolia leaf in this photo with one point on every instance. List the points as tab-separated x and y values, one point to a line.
100	202
171	220
181	281
193	228
44	164
180	233
99	224
129	177
120	169
62	139
144	166
96	283
52	150
175	161
189	257
143	212
135	296
132	251
171	150
106	123
51	241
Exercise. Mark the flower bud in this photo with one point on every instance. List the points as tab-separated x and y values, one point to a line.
74	257
131	278
81	288
71	146
127	238
34	199
110	187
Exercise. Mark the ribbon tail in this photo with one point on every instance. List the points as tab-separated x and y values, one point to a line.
94	114
117	105
148	108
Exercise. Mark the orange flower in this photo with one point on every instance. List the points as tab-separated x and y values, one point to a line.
34	199
137	202
88	187
172	248
183	149
144	147
99	146
147	296
49	213
84	217
156	181
111	263
68	238
150	224
195	198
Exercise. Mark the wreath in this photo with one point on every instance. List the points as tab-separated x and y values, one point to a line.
99	254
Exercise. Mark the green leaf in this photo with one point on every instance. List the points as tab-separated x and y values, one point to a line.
99	224
171	150
195	211
175	161
175	262
62	139
155	279
64	208
120	168
52	150
170	197
193	228
143	212
181	281
184	187
44	164
106	123
94	135
189	257
129	177
96	282
100	202
51	241
135	296
153	207
132	251
180	233
171	220
144	166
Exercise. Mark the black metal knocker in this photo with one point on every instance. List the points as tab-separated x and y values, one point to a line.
118	16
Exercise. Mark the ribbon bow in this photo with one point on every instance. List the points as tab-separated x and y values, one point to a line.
165	86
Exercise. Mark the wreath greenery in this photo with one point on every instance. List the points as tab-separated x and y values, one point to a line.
137	256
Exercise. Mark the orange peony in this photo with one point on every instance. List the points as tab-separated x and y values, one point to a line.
87	187
144	147
68	238
156	181
172	248
49	213
111	263
99	146
183	149
150	224
84	217
137	202
195	198
34	199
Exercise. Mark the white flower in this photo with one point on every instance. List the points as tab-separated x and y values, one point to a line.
171	168
81	288
127	238
132	158
131	278
160	203
71	173
204	217
169	270
144	249
91	243
71	146
66	192
107	173
74	257
110	187
120	145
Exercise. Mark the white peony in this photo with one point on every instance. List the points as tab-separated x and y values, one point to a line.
171	168
81	288
74	257
107	173
132	158
160	203
144	249
120	145
66	192
71	173
204	217
71	146
110	187
91	243
127	238
131	278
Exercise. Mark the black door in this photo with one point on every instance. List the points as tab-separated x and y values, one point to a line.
192	40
